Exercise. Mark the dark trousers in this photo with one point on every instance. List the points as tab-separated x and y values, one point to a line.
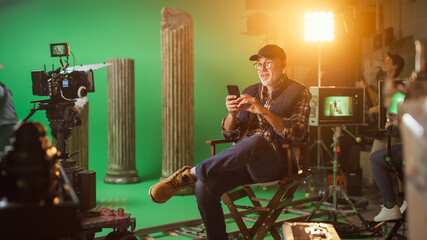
252	160
381	171
5	131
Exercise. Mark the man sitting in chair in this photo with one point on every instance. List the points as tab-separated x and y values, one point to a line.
266	115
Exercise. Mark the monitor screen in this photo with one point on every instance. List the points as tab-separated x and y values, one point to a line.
331	106
338	106
59	50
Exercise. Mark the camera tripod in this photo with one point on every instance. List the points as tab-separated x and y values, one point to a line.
320	145
62	116
334	190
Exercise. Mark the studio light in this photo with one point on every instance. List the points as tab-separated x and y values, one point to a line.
319	26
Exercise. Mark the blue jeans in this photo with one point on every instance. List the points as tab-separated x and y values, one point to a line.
252	160
381	171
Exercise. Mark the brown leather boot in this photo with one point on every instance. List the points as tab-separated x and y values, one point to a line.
164	190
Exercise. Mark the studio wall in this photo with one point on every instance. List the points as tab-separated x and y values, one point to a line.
98	30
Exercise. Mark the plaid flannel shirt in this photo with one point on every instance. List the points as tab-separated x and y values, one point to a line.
295	127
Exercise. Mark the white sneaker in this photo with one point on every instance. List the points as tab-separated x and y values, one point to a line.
403	207
388	214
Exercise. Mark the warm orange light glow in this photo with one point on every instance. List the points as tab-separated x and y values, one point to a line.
319	26
51	152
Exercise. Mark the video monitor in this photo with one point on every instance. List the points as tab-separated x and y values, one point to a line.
332	106
59	50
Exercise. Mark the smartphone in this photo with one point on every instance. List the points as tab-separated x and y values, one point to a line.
233	90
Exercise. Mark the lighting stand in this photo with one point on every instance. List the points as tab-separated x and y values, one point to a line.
333	190
319	142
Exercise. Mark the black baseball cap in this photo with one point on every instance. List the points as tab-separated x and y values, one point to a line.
397	60
269	51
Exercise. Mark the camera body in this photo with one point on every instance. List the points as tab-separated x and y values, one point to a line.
63	82
75	84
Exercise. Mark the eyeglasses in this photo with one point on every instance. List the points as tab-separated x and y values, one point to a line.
267	65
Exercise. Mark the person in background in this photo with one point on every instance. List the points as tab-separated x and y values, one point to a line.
381	169
8	117
391	69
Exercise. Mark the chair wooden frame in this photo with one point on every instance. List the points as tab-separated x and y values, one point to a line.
396	164
269	212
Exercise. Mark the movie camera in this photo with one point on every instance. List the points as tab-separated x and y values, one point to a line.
66	83
41	188
62	85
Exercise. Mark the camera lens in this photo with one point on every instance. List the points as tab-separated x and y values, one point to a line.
82	92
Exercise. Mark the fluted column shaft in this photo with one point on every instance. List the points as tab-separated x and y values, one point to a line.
121	122
177	51
79	139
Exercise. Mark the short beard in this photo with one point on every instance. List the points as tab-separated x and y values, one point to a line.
267	83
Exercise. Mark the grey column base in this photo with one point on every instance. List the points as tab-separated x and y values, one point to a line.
121	176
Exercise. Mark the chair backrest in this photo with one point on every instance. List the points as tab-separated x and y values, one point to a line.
298	158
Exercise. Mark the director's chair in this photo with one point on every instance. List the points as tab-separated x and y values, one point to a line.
396	164
298	156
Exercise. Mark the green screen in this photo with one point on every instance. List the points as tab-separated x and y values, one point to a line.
338	106
98	30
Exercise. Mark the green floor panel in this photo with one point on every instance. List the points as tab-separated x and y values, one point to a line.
135	200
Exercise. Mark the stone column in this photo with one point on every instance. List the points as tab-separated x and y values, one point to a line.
177	51
79	139
121	122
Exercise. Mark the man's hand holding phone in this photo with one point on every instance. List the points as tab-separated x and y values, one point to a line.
236	102
233	99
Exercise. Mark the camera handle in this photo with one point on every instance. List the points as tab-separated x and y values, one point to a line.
62	63
32	111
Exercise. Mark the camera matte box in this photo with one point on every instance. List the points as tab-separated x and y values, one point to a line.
39	83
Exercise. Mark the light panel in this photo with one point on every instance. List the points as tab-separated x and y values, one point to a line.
319	26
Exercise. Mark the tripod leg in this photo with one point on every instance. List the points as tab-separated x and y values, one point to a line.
327	150
355	209
317	206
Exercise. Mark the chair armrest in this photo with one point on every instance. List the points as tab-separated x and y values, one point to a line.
213	144
300	145
219	141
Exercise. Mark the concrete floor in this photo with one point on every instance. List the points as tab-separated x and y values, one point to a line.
374	199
